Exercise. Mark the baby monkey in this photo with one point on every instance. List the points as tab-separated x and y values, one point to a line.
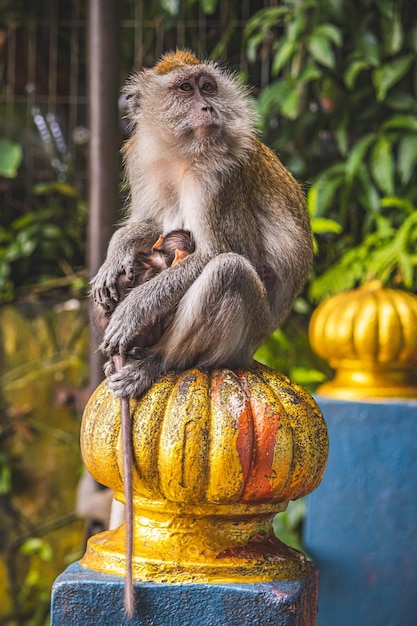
167	252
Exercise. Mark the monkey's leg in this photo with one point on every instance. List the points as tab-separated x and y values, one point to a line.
220	322
222	318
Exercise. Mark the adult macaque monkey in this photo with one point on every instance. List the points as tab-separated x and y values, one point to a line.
193	162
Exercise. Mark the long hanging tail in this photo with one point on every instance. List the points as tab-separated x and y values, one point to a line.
127	448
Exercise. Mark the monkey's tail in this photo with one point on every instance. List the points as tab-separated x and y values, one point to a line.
127	448
129	603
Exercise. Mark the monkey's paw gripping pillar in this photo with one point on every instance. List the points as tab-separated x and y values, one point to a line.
216	455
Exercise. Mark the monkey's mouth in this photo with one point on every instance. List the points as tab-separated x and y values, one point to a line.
205	131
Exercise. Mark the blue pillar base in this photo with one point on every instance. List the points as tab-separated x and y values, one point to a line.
361	526
82	597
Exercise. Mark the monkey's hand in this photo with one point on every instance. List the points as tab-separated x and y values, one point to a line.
121	256
127	321
104	284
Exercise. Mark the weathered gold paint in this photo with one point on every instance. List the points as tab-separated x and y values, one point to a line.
216	456
369	336
183	445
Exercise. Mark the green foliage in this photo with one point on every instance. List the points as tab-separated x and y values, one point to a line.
5	474
388	254
173	6
287	350
11	155
35	545
341	112
288	525
45	244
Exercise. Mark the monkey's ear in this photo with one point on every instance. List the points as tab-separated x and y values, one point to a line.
158	244
179	256
131	95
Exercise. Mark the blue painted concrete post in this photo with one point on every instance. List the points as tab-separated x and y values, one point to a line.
82	597
361	526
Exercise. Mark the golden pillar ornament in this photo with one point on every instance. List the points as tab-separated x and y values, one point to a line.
369	336
216	455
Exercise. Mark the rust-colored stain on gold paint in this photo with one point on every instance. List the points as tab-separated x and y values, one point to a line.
245	440
266	423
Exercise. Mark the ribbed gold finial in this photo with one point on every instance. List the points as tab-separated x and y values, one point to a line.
369	336
216	455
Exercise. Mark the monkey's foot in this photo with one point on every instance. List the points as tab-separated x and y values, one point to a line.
135	354
136	376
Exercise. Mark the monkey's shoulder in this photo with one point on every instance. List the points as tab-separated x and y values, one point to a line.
267	168
268	183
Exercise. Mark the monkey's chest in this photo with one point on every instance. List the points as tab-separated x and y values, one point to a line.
184	205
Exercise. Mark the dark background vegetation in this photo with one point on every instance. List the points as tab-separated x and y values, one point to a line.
335	83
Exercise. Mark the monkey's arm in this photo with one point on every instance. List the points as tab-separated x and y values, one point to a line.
125	244
150	302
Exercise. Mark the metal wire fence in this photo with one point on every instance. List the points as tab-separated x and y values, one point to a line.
43	76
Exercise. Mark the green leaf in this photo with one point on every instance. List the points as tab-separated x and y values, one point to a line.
269	101
52	231
342	138
63	188
310	72
352	72
35	545
382	166
368	195
307	375
11	155
284	53
322	225
399	203
330	32
264	20
312	200
357	155
208	6
321	50
295	26
5	474
290	104
323	191
395	37
170	6
390	74
253	44
368	47
400	100
407	158
406	122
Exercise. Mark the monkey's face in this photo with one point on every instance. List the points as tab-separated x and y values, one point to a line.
195	96
194	110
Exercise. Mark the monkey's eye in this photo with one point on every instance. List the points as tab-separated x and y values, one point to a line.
208	87
186	87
